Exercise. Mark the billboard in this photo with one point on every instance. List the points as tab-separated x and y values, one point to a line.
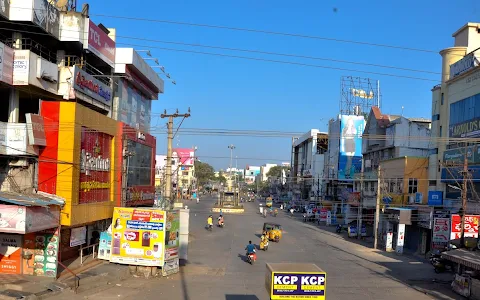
6	64
95	154
186	156
350	158
138	236
89	85
100	44
298	285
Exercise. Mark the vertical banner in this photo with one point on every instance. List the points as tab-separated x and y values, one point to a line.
172	239
350	160
400	239
105	246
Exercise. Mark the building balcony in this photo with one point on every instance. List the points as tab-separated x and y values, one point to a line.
22	139
44	15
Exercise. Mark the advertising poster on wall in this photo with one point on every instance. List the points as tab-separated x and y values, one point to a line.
441	233
350	160
298	285
43	247
94	166
138	236
78	236
21	67
105	246
470	229
10	253
172	227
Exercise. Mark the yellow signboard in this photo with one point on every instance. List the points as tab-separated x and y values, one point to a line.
138	236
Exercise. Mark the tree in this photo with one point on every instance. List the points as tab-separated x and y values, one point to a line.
276	171
204	172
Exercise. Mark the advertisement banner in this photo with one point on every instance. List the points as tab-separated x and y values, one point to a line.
88	85
300	286
467	129
186	156
95	166
138	236
105	246
456	156
441	233
47	17
36	130
172	227
140	195
21	67
6	63
43	246
78	236
100	44
470	229
171	267
435	198
350	159
10	253
12	218
400	238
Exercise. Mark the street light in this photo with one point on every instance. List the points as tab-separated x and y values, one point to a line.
154	59
147	52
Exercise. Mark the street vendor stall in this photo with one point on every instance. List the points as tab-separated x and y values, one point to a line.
466	282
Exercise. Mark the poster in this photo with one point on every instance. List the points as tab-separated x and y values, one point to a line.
78	236
172	227
43	247
10	253
470	230
105	246
400	239
350	159
305	285
171	267
138	236
440	233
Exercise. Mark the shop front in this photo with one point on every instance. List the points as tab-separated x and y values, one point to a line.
420	238
29	233
78	164
139	163
395	226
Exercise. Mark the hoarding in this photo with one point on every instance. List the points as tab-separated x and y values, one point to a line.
88	85
47	17
36	130
457	155
95	168
138	236
350	158
44	246
470	229
10	253
5	8
469	62
467	129
441	233
21	67
186	156
6	63
78	236
298	285
105	246
172	227
100	44
21	219
140	195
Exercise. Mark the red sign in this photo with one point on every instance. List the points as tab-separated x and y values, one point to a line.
470	229
101	44
141	215
95	154
186	156
36	130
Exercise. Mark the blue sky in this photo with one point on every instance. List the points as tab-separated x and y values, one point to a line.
242	94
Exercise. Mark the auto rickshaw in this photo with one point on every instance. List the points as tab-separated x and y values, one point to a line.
273	231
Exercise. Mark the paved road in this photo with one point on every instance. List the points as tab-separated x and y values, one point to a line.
216	270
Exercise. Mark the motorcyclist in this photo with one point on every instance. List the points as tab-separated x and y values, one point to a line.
221	213
210	221
220	220
250	248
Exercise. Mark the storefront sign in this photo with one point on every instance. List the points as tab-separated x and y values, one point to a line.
400	239
305	285
470	128
470	229
138	236
36	130
21	67
78	236
457	155
95	166
143	195
435	198
100	44
141	136
105	246
43	246
41	218
454	174
469	62
12	218
6	63
441	232
88	85
10	253
47	17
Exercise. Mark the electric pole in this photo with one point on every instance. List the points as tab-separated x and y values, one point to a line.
464	197
170	136
360	206
377	209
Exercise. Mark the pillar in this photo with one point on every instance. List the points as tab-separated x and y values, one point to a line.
13	99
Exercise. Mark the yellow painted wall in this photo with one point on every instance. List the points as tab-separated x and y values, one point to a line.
393	168
417	167
72	117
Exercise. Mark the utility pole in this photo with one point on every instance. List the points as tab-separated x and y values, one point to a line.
377	208
464	197
170	136
360	206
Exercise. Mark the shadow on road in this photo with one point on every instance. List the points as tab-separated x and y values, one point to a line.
183	281
241	297
242	257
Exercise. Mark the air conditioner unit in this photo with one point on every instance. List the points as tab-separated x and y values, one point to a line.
411	199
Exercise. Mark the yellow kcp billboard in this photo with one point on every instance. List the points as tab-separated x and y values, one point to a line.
138	236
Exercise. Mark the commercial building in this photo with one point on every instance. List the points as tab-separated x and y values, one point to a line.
455	120
251	172
184	169
264	171
308	158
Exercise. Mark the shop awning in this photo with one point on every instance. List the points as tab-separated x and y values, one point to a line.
34	199
464	257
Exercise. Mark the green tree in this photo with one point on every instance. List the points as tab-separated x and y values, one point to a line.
204	172
277	171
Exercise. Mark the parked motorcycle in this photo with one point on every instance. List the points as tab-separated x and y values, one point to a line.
440	264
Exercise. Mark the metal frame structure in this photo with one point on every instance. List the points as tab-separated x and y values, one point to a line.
358	95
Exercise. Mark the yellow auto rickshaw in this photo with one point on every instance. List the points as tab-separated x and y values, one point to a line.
272	231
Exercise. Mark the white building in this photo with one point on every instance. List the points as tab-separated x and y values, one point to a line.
264	171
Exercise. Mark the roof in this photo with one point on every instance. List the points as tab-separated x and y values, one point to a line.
461	256
420	120
34	199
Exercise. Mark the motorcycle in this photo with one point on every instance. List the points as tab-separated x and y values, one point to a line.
340	228
221	224
251	258
440	264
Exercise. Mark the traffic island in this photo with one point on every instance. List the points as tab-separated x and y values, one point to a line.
229	210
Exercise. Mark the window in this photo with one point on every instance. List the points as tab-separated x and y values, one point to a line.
441	100
140	164
412	185
185	173
432	183
465	110
440	132
436	117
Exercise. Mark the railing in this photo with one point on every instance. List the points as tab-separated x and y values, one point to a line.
37	48
76	278
87	247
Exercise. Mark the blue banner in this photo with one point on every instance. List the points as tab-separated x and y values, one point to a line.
435	198
350	159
